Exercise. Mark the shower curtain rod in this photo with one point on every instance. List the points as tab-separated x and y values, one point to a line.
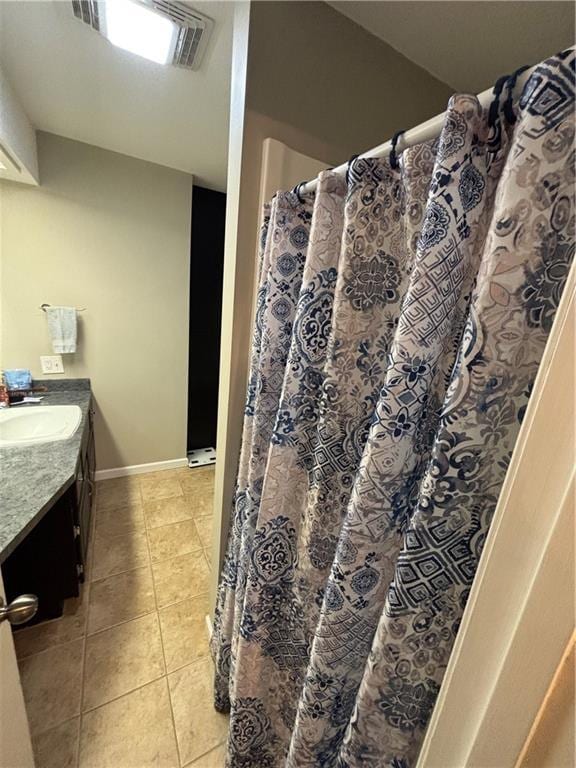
420	133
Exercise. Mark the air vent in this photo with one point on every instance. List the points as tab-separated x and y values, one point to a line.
193	28
193	34
87	11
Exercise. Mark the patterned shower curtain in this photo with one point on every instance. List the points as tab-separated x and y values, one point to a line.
402	313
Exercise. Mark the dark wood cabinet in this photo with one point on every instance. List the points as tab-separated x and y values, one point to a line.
84	495
50	562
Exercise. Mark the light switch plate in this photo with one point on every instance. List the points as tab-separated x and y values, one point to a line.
51	364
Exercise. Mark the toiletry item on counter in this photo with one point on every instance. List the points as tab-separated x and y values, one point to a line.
62	328
4	396
18	378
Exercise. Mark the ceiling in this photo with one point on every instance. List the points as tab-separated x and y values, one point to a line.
71	81
468	45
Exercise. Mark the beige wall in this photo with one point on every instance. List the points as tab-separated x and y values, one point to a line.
111	234
328	89
312	69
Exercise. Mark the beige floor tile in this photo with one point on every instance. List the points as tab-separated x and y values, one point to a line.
180	578
199	728
51	681
172	540
159	485
202	504
199	479
121	659
119	598
135	731
58	746
213	759
119	520
70	626
117	492
119	553
167	511
208	556
205	527
184	632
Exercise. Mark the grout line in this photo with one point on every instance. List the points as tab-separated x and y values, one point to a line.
189	663
120	573
85	634
184	600
207	556
82	680
140	615
52	646
180	554
199	757
163	652
166	525
157	608
119	623
126	693
88	583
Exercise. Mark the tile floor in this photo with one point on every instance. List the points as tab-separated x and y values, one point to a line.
124	678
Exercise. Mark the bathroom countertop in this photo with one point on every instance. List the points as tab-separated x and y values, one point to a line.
33	477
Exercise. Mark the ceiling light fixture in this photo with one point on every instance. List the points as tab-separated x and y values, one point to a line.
140	29
164	31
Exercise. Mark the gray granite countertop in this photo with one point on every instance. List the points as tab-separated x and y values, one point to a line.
33	477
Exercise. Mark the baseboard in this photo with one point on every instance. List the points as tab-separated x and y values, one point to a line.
140	469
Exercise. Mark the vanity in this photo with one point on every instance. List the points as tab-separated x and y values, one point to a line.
46	498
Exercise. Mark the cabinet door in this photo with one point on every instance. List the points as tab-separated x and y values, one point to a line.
15	743
85	490
45	562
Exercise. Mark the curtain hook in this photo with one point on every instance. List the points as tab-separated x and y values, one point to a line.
495	103
509	113
393	156
296	191
348	164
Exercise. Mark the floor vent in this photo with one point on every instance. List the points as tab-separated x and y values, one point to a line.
201	457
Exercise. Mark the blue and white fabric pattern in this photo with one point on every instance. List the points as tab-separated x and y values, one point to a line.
401	319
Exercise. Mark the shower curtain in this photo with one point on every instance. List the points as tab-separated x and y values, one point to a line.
402	313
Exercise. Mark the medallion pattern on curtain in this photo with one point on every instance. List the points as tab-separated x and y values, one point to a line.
391	368
283	247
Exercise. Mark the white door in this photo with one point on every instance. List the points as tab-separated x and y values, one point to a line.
15	744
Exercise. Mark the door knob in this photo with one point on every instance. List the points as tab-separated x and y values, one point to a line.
20	610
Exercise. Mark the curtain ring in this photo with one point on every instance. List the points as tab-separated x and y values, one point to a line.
495	103
393	156
296	191
348	164
509	113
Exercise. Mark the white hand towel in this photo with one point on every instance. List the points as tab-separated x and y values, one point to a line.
62	328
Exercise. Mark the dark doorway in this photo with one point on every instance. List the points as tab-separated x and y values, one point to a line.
206	269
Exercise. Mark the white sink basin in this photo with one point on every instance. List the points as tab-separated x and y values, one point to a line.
28	425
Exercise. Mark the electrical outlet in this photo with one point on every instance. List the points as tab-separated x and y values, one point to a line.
51	364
